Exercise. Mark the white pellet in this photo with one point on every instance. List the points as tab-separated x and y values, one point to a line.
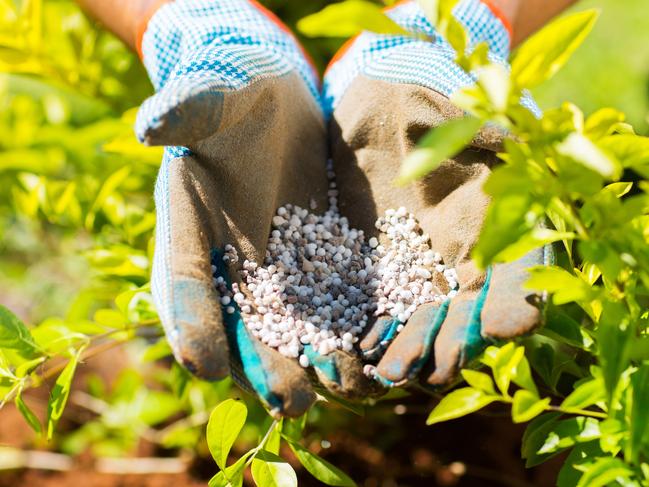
321	280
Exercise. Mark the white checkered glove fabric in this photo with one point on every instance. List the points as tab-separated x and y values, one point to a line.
413	60
193	49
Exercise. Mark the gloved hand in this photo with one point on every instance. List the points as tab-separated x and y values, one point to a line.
383	94
237	106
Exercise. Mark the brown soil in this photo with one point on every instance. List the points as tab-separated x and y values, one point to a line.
381	449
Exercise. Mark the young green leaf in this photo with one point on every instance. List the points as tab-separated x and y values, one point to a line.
534	437
439	144
479	380
603	122
545	53
582	150
321	469
530	241
223	427
614	335
348	18
293	427
232	476
565	329
580	455
28	414
527	406
569	432
565	286
269	470
523	376
631	150
603	472
14	335
505	365
639	417
459	403
584	395
59	394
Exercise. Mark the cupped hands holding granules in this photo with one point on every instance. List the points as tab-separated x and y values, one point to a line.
321	281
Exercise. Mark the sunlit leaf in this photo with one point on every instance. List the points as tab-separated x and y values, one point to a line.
269	470
527	406
543	54
439	144
459	403
14	335
28	414
321	469
603	472
226	421
59	394
348	18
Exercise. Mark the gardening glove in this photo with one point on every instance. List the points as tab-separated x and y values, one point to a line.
383	93
237	107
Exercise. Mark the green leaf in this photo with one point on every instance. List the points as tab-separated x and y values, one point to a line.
479	380
322	470
108	188
569	432
545	53
14	335
28	414
535	435
232	476
563	328
507	221
631	150
293	427
438	145
269	470
527	406
603	472
639	418
348	18
223	427
59	394
614	336
530	241
603	122
569	475
505	365
523	376
459	403
565	286
585	394
582	150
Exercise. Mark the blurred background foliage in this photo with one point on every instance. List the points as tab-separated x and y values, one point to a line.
76	211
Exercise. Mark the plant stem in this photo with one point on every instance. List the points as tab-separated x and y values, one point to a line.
578	412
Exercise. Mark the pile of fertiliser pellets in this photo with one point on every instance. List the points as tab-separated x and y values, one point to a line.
322	282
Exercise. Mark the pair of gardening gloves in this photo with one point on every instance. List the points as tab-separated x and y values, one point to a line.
247	129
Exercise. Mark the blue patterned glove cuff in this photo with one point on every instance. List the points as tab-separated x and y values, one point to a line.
406	59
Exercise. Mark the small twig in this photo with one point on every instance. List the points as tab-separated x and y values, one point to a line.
13	458
142	465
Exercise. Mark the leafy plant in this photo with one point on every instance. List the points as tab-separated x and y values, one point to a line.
586	178
77	183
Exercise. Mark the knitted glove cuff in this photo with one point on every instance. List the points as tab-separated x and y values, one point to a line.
408	59
179	29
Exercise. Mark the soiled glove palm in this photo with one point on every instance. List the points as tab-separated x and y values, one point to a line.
238	107
384	93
